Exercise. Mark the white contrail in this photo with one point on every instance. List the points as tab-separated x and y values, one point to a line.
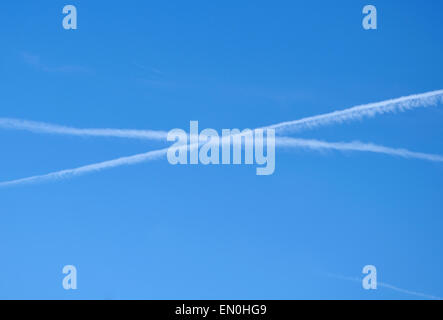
368	110
41	127
142	157
413	101
389	286
427	99
355	146
280	141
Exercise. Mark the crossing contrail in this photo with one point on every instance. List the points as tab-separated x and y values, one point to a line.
63	174
355	146
388	286
280	142
427	99
42	127
357	112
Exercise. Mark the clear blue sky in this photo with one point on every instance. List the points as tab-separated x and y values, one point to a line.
156	231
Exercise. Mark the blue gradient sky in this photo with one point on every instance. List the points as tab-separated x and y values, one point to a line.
156	231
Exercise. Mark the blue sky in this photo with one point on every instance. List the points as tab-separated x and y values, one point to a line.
157	231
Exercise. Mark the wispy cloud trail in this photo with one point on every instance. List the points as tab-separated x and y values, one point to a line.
400	104
427	99
368	110
280	142
355	146
63	174
388	286
41	127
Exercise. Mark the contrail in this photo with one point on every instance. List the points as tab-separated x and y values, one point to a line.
399	104
427	99
280	141
367	110
355	146
41	127
388	286
142	157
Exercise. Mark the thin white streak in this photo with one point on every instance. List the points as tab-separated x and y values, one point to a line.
355	146
142	157
280	141
368	110
41	127
427	99
400	104
388	286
